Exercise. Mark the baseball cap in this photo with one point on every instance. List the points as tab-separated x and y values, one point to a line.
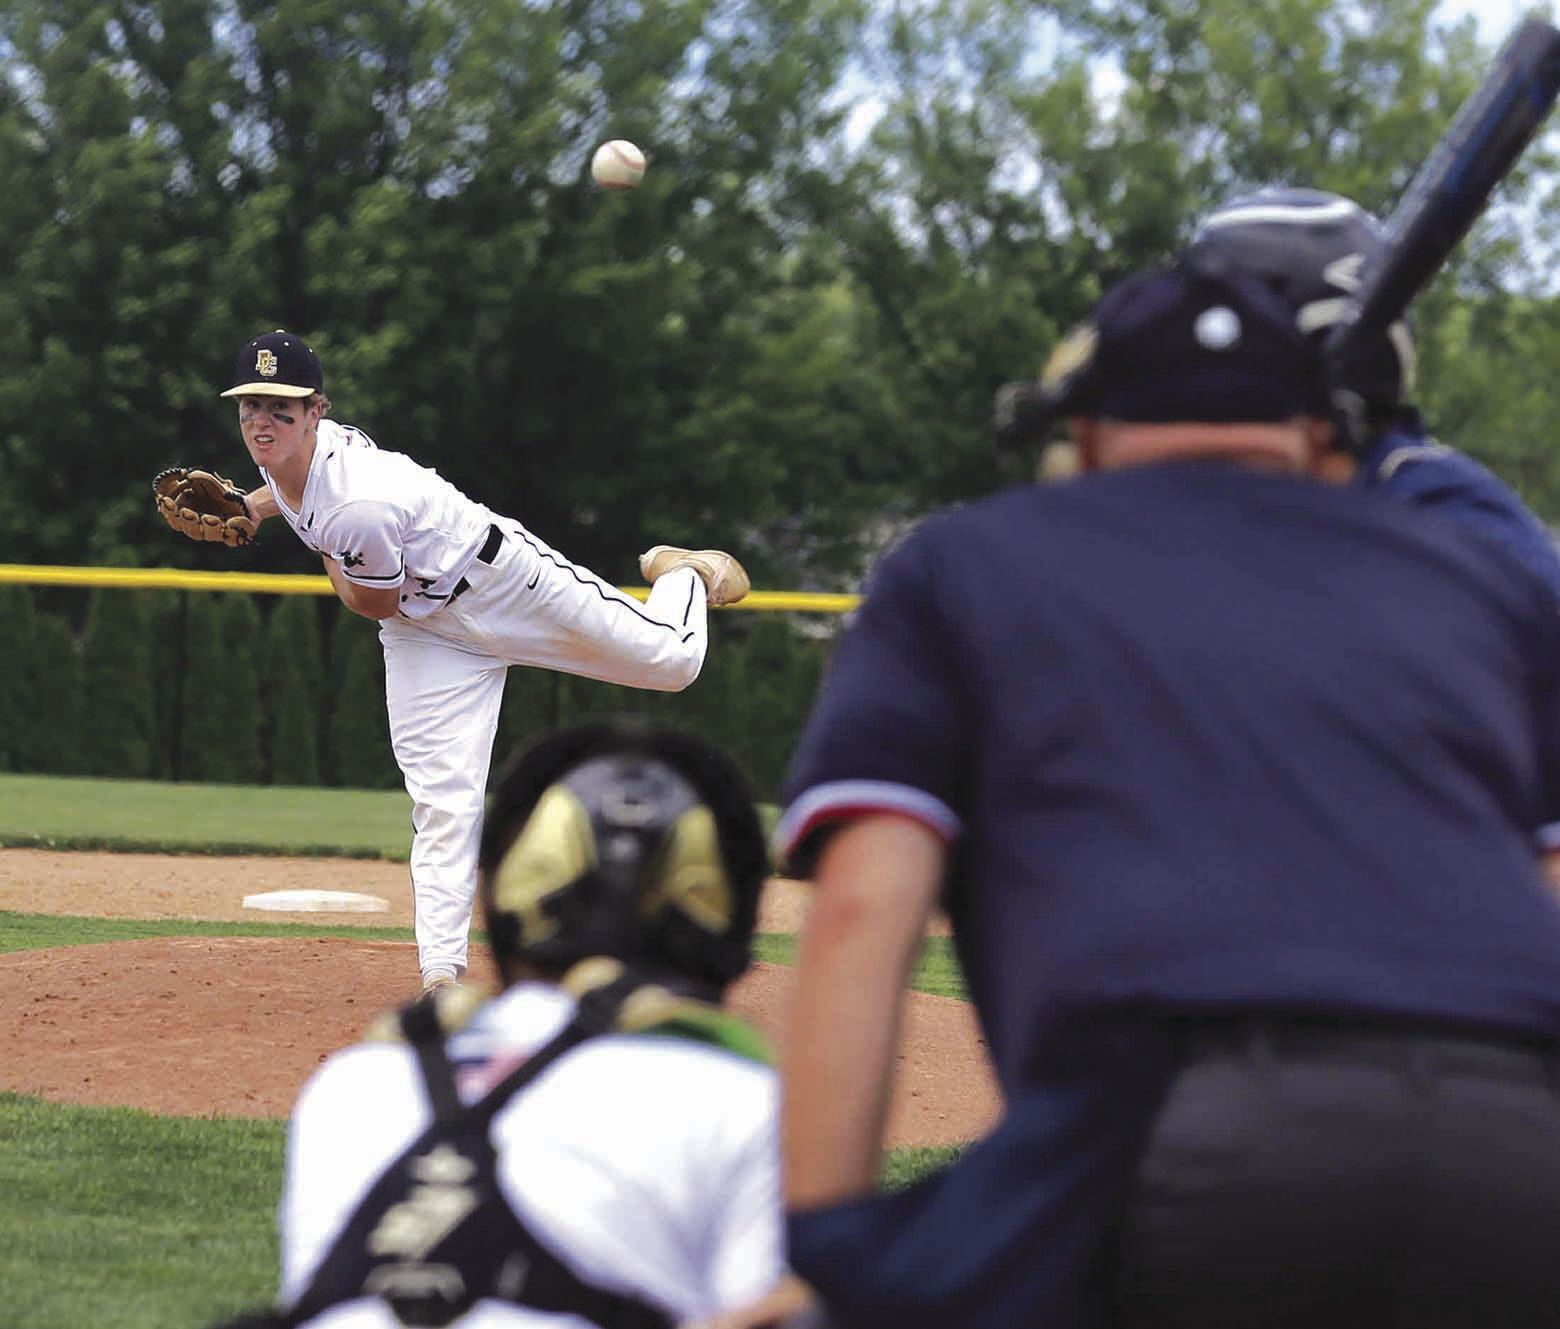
1186	343
276	365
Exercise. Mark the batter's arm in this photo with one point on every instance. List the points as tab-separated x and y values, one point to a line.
877	882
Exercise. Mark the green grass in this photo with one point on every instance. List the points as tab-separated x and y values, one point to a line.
902	1167
30	932
56	812
937	971
111	1217
152	816
119	1219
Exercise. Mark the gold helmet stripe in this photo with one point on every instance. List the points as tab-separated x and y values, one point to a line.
553	851
690	875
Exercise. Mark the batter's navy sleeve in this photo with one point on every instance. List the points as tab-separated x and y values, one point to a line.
1412	467
890	728
1009	1236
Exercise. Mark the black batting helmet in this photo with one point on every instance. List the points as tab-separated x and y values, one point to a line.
626	841
1311	246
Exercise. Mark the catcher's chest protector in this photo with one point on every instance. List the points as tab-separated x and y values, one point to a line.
435	1233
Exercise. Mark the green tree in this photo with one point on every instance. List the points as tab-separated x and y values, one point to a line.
1491	386
532	698
166	612
750	699
715	705
1352	98
54	731
583	699
241	706
205	723
119	700
781	669
1026	158
113	243
293	689
408	184
785	341
358	752
220	714
18	713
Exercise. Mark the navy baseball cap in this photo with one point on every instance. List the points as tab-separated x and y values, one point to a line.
1186	343
278	364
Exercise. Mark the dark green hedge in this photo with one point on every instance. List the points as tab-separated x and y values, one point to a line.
290	690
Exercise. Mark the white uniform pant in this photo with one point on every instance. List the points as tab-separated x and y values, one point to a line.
444	684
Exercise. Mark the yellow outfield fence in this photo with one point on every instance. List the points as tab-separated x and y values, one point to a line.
279	583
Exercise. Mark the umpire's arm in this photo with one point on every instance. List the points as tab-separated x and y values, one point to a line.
878	880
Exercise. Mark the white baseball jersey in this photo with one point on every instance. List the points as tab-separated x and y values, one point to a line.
648	1164
479	594
387	519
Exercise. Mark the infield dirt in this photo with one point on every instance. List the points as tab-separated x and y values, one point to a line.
232	1026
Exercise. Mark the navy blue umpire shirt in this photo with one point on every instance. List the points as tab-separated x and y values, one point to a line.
1201	735
1200	739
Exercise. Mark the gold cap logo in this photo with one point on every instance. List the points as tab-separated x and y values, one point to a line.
265	364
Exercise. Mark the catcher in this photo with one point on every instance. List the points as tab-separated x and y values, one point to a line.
460	594
596	1144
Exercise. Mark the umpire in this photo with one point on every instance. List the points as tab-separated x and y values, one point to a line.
1226	774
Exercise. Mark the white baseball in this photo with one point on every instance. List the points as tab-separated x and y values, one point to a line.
618	164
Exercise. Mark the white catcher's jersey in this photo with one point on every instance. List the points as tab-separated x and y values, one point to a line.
650	1165
386	518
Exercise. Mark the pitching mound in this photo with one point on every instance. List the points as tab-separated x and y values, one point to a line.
231	1026
102	885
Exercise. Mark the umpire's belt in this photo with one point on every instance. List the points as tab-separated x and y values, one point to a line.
488	552
1380	1043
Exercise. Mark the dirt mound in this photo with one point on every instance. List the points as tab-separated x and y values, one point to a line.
231	1026
101	885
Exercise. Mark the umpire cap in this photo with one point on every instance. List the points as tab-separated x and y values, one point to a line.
637	843
1191	342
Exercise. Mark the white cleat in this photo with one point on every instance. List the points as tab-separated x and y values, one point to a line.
725	580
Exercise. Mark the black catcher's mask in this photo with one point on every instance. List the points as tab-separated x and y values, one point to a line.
637	843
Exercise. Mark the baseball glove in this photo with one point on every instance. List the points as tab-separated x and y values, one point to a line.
204	506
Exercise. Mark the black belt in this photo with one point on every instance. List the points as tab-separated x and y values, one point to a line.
488	552
1437	1046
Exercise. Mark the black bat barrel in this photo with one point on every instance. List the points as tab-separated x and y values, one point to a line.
1451	189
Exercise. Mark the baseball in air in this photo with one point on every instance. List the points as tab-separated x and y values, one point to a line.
618	165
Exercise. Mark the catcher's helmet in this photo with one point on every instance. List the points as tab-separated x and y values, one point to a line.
636	843
1311	247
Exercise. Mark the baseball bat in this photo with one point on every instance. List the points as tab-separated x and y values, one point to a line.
1451	189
